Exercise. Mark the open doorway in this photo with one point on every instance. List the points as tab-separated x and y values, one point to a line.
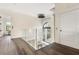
8	28
7	25
46	32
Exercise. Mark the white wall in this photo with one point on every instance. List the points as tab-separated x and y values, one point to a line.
19	21
20	18
59	10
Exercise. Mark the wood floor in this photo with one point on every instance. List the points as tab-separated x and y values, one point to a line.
53	49
20	47
7	46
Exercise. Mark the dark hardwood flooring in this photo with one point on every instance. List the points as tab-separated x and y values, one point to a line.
20	47
52	49
7	46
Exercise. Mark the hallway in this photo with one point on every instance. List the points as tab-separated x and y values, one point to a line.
7	47
43	30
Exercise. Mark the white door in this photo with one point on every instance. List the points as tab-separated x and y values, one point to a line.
68	28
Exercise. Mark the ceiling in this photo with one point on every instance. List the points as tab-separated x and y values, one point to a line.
28	8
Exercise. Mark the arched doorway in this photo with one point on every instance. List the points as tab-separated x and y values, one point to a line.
46	32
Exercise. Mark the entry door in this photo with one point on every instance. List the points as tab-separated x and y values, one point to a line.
68	28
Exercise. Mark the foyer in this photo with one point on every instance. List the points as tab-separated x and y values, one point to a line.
39	29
